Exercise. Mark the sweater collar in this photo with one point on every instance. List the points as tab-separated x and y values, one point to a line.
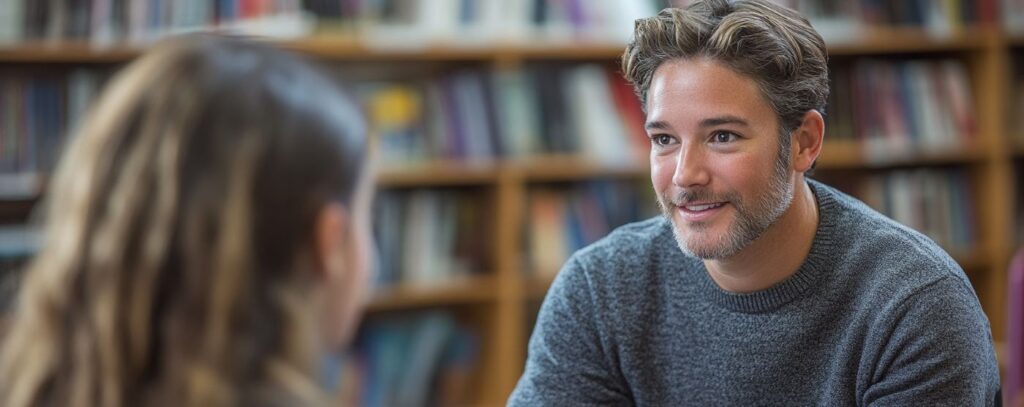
794	286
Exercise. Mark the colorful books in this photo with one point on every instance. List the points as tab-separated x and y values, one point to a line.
935	202
429	237
424	358
584	109
899	108
110	22
37	112
566	218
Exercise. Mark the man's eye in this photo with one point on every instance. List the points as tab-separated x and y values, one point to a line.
662	140
725	137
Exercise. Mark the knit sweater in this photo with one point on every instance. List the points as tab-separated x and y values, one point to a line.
877	314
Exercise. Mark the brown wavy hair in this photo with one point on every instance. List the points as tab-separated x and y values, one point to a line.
771	44
174	269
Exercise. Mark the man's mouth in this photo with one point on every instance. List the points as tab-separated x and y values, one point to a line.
702	207
702	211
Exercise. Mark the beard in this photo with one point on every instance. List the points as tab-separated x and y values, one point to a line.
751	221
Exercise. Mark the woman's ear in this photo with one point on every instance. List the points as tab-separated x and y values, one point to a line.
807	141
330	232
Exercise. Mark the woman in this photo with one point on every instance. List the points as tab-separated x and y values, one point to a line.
207	238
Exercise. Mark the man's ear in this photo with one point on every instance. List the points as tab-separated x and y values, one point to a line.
807	141
329	237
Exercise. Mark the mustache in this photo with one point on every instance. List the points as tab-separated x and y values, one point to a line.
688	196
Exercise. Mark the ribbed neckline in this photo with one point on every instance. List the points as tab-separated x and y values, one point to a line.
794	286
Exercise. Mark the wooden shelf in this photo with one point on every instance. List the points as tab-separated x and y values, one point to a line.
439	173
341	48
328	48
461	291
538	283
558	168
880	41
66	52
874	41
845	155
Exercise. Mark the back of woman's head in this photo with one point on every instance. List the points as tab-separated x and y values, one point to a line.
176	268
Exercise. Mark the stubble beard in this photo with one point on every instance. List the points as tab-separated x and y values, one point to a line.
751	221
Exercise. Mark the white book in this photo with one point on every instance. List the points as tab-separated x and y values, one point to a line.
516	115
102	31
12	20
899	187
513	21
83	86
622	15
959	99
602	135
932	127
417	263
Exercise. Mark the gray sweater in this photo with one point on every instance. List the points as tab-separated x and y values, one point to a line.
877	315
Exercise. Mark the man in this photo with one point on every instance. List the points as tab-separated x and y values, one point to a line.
758	286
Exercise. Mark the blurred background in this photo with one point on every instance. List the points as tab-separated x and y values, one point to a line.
509	140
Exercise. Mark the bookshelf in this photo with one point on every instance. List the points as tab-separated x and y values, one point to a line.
499	301
469	291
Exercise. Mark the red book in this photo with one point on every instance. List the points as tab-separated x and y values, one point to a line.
628	105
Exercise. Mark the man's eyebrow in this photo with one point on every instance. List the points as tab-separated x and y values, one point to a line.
657	125
709	122
720	120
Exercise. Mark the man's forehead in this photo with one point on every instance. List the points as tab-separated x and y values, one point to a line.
706	91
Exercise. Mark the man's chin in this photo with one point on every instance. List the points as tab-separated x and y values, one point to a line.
694	246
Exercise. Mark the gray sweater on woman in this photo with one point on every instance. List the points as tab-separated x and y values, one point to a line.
876	315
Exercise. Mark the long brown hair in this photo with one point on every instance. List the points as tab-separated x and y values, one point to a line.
174	268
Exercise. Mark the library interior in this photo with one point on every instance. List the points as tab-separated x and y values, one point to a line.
507	139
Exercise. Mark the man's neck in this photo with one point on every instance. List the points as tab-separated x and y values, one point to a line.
777	254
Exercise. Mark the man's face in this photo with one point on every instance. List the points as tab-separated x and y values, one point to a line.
717	166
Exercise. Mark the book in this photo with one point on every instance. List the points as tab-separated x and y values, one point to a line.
935	202
486	116
896	108
430	237
564	218
423	358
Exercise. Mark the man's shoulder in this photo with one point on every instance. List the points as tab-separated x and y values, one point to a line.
891	255
630	239
627	260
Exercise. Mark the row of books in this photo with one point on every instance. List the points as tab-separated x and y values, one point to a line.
408	23
565	218
413	23
36	113
900	107
429	237
935	202
106	22
483	115
837	20
418	23
417	359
